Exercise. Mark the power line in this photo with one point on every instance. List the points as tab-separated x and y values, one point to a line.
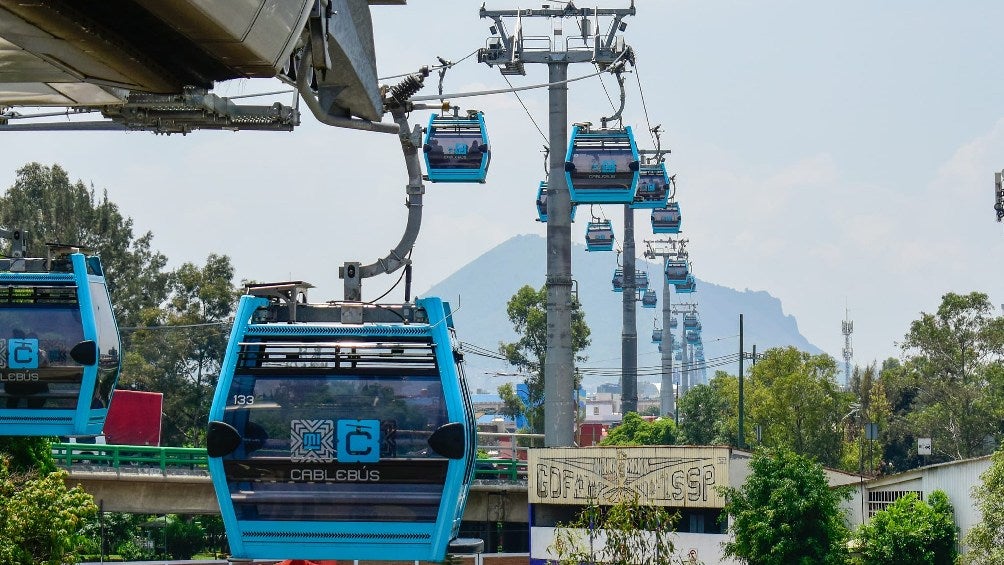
174	327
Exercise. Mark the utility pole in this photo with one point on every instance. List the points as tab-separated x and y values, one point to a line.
507	51
629	332
742	404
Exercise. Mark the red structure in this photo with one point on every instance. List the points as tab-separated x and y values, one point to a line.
591	433
134	418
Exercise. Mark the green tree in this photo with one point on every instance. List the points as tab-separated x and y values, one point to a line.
626	533
635	430
956	356
120	530
181	347
44	202
40	518
527	310
899	437
872	407
794	397
910	531
785	513
26	454
185	536
653	410
986	539
708	412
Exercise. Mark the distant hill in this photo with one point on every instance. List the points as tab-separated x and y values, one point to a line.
479	291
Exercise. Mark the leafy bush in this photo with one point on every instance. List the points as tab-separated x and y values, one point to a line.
785	513
40	519
911	531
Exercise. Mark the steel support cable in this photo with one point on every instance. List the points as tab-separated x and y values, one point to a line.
480	351
644	106
697	366
447	65
12	115
607	92
506	90
529	115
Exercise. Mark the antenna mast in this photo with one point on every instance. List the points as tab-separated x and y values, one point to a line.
847	328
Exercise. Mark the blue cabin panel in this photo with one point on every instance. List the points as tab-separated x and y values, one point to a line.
691	321
641	280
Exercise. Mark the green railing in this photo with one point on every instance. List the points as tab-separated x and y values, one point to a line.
117	456
509	469
164	458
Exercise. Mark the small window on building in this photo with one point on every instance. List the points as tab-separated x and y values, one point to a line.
880	500
696	523
596	410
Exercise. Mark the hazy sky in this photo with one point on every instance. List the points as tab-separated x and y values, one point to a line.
828	153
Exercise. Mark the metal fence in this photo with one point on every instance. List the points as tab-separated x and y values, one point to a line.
501	456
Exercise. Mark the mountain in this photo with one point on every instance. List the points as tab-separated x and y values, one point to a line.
479	291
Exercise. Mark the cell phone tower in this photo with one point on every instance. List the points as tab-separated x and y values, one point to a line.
999	195
847	328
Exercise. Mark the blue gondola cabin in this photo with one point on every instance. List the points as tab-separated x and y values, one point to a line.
600	236
687	286
677	271
653	187
668	219
601	166
541	203
649	299
618	280
456	148
59	344
331	440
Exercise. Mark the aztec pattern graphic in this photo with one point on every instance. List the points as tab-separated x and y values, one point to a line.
312	441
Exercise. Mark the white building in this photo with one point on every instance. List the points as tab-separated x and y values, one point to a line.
680	478
955	478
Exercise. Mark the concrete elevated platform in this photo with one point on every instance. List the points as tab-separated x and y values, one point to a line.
181	491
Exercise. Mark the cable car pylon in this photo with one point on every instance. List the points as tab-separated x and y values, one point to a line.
506	51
